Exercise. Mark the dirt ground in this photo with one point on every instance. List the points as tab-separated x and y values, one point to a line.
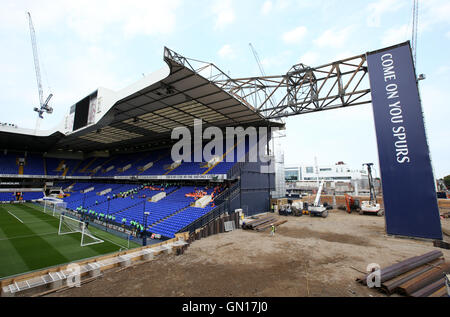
308	256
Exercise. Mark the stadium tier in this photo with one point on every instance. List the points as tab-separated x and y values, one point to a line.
98	188
7	196
151	163
175	223
34	165
8	164
125	205
32	195
26	196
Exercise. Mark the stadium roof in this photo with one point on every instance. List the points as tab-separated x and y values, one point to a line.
145	113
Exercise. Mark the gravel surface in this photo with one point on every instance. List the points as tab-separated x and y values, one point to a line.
308	256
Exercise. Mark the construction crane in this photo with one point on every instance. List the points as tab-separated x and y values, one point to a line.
414	29
371	206
261	69
257	59
415	23
43	105
317	209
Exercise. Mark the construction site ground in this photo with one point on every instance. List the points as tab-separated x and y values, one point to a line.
307	256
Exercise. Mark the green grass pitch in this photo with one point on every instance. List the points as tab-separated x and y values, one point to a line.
29	241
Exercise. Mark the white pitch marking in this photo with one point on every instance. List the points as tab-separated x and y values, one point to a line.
15	216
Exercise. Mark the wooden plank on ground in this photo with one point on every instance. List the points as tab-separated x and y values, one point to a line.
276	224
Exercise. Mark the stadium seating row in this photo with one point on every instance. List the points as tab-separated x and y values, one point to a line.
117	165
127	203
11	196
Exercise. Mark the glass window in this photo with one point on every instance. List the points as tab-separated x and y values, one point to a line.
310	169
291	175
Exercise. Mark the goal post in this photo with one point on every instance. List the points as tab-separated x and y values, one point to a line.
59	207
69	225
54	207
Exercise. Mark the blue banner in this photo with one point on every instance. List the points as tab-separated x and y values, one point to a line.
409	192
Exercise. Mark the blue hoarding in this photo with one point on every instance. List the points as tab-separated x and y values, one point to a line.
409	192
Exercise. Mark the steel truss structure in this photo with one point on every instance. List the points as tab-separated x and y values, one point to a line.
303	89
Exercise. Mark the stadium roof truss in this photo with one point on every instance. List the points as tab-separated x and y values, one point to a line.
146	113
301	90
151	113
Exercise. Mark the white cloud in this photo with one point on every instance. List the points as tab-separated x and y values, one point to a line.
309	58
433	12
270	5
282	4
341	55
92	19
136	18
295	36
266	7
226	51
443	70
83	72
378	8
282	60
334	38
224	13
396	35
78	44
434	96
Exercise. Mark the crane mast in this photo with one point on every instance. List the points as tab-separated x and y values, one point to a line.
36	60
373	196
43	105
414	29
257	59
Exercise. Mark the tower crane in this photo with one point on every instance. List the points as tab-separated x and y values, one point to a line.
43	105
415	24
414	28
261	69
257	59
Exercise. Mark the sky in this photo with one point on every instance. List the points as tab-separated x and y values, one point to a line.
88	44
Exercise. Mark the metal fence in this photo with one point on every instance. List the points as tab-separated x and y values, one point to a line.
223	206
119	231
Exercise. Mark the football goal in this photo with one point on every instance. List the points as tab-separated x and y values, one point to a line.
54	207
69	225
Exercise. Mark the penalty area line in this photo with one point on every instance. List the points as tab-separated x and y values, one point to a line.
14	216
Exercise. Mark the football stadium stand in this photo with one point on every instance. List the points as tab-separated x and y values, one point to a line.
7	196
126	203
119	165
8	164
32	195
24	196
110	158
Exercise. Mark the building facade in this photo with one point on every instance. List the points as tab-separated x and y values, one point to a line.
338	178
338	172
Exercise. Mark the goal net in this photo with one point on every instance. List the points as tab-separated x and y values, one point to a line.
69	225
54	207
